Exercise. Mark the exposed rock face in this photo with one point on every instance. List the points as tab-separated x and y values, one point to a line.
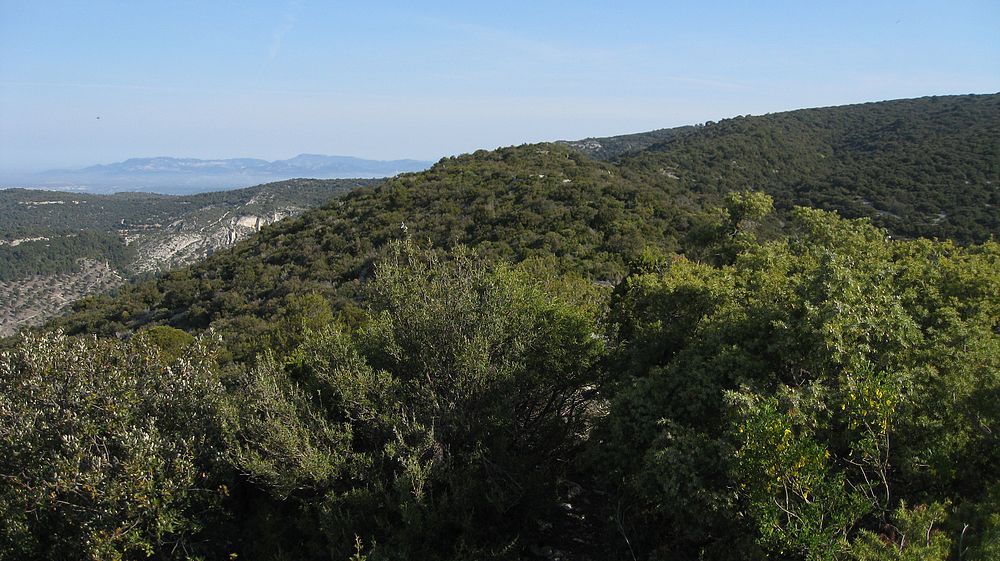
29	302
192	238
19	241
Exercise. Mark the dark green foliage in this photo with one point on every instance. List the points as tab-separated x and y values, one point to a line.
593	217
824	395
922	167
805	388
441	427
60	252
611	147
784	386
544	202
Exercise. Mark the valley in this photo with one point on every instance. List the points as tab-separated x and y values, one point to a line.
29	301
57	247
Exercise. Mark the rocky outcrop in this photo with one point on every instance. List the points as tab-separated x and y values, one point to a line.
197	236
160	232
28	302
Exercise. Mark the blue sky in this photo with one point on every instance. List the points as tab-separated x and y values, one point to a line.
216	79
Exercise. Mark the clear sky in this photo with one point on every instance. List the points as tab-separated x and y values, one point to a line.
220	79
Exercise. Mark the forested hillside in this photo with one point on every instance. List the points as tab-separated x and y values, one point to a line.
48	237
925	167
545	202
529	353
552	202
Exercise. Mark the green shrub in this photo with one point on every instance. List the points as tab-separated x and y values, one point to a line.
107	452
441	426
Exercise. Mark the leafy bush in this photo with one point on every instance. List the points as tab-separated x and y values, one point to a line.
441	426
805	388
107	452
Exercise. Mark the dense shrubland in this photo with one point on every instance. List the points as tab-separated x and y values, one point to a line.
60	251
440	427
827	394
552	359
803	390
112	450
921	167
926	167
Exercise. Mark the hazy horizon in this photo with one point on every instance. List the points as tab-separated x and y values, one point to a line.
103	82
80	167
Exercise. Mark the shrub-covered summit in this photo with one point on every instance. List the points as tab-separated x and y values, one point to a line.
920	167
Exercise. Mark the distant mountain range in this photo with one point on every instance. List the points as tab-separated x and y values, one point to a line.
189	175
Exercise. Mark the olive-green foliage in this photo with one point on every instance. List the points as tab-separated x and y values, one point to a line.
919	167
805	388
611	147
777	391
171	342
781	398
439	428
107	452
720	234
530	202
914	535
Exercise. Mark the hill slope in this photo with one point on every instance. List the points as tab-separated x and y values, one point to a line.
612	147
922	167
543	201
65	246
552	202
737	402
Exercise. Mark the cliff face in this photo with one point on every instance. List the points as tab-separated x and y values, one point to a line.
30	301
191	239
